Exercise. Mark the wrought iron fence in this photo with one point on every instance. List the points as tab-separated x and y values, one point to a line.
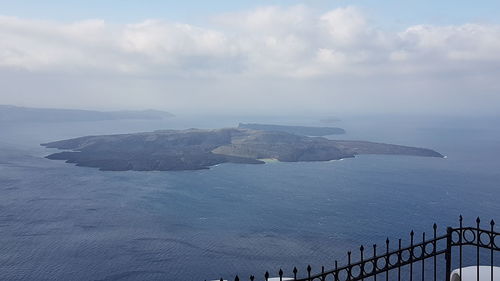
420	260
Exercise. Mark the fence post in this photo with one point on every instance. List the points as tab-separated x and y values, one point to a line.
448	253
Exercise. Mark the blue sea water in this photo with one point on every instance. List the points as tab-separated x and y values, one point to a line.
62	222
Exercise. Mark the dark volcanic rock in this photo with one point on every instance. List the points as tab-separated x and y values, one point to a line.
199	149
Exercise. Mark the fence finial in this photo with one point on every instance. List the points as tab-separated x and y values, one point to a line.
266	275
478	220
252	277
492	222
280	273
236	278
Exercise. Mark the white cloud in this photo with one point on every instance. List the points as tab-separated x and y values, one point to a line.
266	44
345	27
272	40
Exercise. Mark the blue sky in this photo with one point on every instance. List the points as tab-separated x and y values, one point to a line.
386	12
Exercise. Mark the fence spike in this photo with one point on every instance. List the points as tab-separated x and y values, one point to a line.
461	218
252	277
266	275
280	273
434	226
412	233
361	248
478	220
309	268
295	273
221	279
236	278
492	222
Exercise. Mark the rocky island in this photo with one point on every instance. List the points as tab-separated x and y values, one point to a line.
196	149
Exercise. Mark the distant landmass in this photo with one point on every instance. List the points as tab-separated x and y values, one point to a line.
9	113
196	149
298	130
330	120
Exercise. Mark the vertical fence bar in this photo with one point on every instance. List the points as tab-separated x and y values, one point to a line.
295	273
309	272
349	269
387	261
399	260
460	242
423	255
375	263
478	221
434	249
411	255
448	253
362	266
336	271
492	245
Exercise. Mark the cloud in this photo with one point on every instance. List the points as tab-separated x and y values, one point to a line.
276	41
275	45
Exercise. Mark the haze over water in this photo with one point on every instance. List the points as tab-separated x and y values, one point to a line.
62	222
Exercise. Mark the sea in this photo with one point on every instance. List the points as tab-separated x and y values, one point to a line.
63	222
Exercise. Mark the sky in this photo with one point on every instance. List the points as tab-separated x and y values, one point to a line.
253	57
